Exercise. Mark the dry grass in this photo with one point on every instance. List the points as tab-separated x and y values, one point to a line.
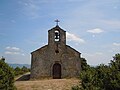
51	84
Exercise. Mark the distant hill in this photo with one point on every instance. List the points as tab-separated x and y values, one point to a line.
19	65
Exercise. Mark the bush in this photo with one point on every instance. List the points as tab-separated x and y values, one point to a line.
20	71
102	77
84	64
6	77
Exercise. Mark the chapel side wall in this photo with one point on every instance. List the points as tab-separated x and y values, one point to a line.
32	66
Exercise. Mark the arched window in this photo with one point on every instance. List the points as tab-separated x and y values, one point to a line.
57	36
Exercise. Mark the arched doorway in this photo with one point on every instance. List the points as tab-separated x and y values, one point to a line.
56	71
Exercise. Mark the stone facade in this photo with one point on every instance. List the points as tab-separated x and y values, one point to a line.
55	60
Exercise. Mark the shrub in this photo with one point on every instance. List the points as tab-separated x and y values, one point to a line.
6	77
102	77
20	71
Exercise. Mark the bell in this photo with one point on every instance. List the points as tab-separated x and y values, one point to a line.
56	35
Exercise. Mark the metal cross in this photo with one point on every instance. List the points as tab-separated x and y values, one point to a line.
57	21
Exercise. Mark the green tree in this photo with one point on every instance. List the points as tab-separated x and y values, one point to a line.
20	71
17	71
101	77
6	77
2	59
25	69
84	64
115	72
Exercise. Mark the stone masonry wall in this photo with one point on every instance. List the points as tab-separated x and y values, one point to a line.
43	59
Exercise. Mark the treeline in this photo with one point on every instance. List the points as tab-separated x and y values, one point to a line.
20	71
101	77
8	73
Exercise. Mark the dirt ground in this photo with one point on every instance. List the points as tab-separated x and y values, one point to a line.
50	84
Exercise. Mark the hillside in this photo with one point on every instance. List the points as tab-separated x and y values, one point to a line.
51	84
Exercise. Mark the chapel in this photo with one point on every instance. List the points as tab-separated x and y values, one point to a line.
56	59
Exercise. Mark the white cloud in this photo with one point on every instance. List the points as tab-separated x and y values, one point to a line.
116	44
93	35
97	58
94	54
95	31
72	37
111	23
12	48
23	54
14	53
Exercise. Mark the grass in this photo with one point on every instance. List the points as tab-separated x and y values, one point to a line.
51	84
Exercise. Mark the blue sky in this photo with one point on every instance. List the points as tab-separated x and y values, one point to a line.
92	26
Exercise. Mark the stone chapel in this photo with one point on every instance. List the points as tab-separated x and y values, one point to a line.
55	60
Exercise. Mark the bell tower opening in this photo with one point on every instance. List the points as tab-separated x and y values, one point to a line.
57	36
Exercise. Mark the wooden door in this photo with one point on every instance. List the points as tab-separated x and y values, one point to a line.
56	71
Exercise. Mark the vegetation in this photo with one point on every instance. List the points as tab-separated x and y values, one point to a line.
102	77
20	71
6	76
84	64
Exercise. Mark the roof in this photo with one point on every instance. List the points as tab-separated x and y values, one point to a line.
40	48
57	27
73	49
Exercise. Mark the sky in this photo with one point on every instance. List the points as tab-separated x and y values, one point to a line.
92	27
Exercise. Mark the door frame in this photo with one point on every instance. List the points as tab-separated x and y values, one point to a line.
58	65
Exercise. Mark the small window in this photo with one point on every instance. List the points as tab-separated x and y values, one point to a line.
57	36
56	51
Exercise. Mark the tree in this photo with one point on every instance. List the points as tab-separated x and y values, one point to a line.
2	59
115	72
20	71
17	71
84	64
101	77
6	77
25	69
